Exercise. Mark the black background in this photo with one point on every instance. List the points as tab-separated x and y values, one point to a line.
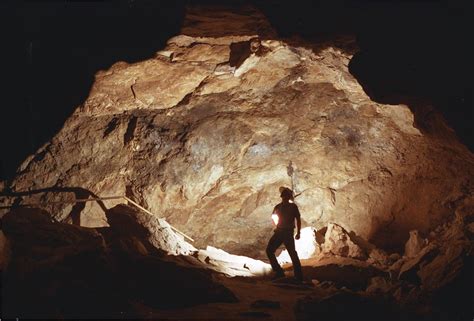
51	51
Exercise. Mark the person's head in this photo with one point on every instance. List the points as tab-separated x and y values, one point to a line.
286	194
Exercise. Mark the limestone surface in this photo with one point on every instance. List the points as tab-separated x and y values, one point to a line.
205	133
414	244
338	242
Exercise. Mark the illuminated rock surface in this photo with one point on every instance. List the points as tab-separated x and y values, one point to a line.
337	242
205	133
122	271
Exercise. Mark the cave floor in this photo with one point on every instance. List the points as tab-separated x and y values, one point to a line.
248	290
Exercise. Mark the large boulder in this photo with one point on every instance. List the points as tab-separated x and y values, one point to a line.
414	244
53	264
444	258
409	268
133	222
205	132
338	242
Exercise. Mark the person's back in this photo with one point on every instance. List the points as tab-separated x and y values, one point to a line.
287	213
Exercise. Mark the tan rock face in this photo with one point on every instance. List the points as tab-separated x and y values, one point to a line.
206	132
338	242
155	230
414	244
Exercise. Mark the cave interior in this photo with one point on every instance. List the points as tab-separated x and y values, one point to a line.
147	143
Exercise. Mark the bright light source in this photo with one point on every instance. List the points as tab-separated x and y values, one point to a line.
306	246
275	219
291	201
233	265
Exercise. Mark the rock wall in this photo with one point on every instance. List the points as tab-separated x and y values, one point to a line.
204	134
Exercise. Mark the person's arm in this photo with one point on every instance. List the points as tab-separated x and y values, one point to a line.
298	223
298	228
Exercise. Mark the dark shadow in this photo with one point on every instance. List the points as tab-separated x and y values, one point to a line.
122	219
428	90
418	50
60	271
74	214
350	276
412	64
412	53
127	234
55	48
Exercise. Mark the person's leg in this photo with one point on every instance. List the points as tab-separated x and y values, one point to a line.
289	242
273	244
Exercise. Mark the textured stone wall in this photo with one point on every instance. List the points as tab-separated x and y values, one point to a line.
204	134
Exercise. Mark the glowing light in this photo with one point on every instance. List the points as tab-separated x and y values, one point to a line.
233	265
306	246
275	219
291	201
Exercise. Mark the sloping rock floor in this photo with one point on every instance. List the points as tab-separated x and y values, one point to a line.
139	268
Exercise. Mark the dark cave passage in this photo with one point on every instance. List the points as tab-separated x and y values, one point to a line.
59	47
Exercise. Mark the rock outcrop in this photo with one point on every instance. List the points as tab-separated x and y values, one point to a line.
109	270
204	133
338	242
131	223
435	282
43	256
414	244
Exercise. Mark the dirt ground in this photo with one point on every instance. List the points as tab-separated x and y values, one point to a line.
248	290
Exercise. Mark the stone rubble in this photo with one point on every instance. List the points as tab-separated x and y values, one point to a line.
52	264
338	242
34	243
414	244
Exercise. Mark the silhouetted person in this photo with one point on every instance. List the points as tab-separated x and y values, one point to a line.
284	216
